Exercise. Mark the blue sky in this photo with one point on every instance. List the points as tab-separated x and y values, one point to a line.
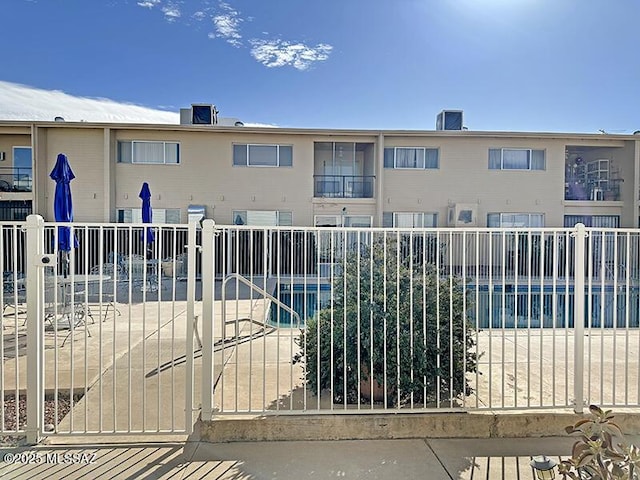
519	65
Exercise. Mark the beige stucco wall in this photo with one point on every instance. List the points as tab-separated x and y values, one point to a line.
464	177
84	148
7	142
206	175
623	160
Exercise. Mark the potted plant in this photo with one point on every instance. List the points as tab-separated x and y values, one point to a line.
386	336
601	453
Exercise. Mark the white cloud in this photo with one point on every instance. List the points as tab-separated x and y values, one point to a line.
278	53
200	15
21	102
148	3
227	25
171	12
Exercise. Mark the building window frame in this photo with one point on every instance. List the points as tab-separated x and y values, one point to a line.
536	159
360	221
503	220
596	221
422	162
21	181
284	218
420	219
130	156
283	155
134	215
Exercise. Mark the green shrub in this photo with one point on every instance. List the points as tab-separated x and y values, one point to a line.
396	319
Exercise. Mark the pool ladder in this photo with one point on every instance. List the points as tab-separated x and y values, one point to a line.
261	291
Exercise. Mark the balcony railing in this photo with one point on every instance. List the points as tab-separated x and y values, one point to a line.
16	179
343	186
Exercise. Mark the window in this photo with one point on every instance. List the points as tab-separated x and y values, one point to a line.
160	215
360	221
330	244
248	155
516	159
515	220
262	218
598	221
139	151
327	221
22	169
357	221
409	219
411	157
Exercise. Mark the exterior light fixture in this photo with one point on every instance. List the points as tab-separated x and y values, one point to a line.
544	467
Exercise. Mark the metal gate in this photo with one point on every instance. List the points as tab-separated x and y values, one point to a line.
102	333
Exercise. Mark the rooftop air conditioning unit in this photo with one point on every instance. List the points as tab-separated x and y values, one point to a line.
449	120
204	114
462	215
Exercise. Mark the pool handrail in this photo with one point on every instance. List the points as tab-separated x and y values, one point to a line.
260	290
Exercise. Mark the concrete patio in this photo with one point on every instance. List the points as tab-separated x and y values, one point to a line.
432	459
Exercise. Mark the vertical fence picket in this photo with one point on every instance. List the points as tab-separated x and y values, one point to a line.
579	318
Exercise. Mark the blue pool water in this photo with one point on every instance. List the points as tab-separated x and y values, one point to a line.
304	301
522	309
518	306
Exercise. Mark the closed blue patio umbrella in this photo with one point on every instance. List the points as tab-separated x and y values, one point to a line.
62	202
147	214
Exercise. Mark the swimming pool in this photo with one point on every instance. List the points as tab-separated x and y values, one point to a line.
497	305
304	299
535	306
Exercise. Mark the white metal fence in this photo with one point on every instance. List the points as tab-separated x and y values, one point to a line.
96	340
296	320
342	320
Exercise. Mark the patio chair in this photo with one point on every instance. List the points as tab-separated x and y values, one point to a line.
181	266
139	274
111	274
13	295
68	308
80	314
77	295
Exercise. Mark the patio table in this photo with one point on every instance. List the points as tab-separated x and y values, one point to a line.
67	294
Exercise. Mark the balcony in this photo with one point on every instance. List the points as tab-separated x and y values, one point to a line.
591	174
13	179
343	186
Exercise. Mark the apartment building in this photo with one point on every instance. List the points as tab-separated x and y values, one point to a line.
237	174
